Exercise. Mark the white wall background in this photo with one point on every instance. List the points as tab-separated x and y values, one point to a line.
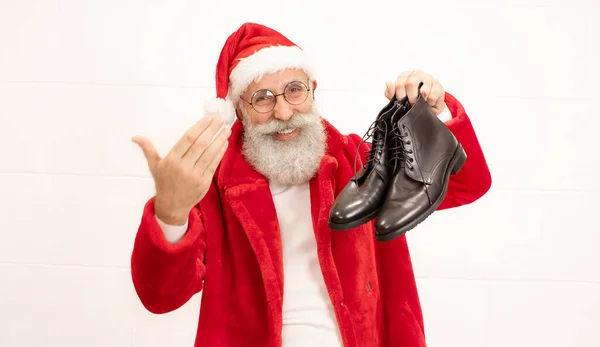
79	78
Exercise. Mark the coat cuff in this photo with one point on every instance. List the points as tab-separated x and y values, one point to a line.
156	235
446	115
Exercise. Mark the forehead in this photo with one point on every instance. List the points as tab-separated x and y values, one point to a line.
277	81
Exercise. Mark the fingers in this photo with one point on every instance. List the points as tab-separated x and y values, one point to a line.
436	96
210	169
202	143
426	88
412	85
439	105
190	136
407	85
152	156
400	85
437	91
389	90
209	161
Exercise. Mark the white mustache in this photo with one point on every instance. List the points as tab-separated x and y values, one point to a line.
276	125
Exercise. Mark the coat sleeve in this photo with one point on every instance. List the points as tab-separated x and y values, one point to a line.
474	179
166	275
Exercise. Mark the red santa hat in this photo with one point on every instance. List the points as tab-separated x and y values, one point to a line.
250	52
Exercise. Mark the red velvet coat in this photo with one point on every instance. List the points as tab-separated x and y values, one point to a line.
232	252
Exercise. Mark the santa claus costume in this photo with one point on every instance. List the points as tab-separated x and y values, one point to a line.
270	271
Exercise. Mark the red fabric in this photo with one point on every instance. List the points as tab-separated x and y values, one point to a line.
232	252
245	41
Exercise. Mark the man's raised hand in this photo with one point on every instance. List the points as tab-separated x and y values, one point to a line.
183	177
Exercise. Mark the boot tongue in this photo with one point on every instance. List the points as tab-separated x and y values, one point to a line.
378	132
402	163
381	133
400	155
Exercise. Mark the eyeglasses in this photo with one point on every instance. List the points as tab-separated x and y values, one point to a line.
264	100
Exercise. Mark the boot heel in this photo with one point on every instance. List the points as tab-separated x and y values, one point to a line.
460	157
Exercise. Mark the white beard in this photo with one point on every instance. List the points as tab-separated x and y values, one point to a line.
290	162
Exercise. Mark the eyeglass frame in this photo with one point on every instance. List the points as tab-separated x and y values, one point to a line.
308	90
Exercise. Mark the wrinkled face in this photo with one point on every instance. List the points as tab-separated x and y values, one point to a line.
284	141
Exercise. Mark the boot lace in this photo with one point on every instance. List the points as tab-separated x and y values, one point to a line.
376	150
402	156
399	154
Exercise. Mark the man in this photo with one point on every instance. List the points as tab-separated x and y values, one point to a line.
242	214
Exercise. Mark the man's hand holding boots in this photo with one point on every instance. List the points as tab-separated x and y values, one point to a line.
407	84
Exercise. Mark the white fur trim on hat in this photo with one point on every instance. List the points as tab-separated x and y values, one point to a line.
220	108
267	60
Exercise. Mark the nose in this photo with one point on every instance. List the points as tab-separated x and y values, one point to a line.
283	110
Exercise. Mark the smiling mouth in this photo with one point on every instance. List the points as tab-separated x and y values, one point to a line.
286	131
286	134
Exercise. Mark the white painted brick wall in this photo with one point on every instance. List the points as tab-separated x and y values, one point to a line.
79	78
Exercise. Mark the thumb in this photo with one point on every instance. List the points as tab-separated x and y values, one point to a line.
389	90
149	152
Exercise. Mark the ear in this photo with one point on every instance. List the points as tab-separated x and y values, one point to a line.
314	87
238	112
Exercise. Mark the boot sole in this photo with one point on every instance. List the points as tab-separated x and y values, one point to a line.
455	165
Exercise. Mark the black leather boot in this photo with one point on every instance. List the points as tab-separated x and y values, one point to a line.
363	195
424	154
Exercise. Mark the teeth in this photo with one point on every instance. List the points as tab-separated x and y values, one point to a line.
285	132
